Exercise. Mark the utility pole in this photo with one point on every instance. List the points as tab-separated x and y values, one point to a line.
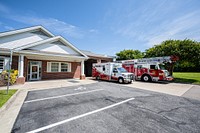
10	64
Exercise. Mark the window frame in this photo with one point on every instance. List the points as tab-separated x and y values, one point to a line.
49	69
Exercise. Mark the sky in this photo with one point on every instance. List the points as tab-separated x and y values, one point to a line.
106	26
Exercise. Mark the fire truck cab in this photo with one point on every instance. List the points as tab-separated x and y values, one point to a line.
112	72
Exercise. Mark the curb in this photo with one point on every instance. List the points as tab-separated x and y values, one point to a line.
9	102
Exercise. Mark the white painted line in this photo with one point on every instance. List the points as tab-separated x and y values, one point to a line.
79	116
80	88
67	95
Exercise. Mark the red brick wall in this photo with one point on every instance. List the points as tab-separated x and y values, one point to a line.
15	62
75	72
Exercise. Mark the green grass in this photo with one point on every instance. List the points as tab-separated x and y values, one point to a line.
4	97
187	77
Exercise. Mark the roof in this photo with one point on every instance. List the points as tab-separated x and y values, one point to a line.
20	45
53	39
34	28
91	54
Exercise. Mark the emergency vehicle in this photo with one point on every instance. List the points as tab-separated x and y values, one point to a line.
149	69
112	72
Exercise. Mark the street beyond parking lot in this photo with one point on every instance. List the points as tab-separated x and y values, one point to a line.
106	107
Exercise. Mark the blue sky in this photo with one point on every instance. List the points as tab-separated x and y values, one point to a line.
107	26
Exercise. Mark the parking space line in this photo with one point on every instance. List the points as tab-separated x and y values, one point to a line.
67	95
79	116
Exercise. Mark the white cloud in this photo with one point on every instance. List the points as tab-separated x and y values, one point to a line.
181	28
93	31
60	27
57	26
155	22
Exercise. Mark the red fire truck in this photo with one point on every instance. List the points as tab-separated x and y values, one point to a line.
149	69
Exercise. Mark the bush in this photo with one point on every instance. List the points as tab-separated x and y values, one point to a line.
13	76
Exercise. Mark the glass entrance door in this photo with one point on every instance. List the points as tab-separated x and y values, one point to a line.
34	72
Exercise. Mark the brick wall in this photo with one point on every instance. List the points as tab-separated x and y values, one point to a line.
75	72
15	62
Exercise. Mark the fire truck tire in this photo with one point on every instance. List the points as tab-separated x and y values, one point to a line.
146	78
121	80
97	77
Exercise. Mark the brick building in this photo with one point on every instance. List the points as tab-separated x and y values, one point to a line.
37	54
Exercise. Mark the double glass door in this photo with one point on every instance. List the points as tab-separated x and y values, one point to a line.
34	70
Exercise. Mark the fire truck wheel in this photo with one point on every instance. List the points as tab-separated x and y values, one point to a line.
146	78
121	80
97	78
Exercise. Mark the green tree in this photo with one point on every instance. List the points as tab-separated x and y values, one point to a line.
129	54
187	50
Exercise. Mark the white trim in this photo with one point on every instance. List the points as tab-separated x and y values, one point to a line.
48	54
21	72
59	66
48	66
82	68
53	39
79	116
27	30
50	40
72	46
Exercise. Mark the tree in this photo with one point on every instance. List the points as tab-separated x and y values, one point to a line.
187	50
129	54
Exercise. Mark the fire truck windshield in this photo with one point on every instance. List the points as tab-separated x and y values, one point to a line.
162	67
121	69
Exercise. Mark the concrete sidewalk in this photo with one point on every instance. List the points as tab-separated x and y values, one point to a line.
176	89
9	113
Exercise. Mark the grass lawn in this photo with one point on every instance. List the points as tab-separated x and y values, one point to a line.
187	77
4	97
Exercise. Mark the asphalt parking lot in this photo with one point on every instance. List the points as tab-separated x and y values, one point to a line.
106	107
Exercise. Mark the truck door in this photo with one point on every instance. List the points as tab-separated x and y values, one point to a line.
138	71
115	74
153	71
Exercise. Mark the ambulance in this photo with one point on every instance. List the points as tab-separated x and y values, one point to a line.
111	72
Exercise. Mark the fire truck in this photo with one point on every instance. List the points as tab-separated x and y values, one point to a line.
111	72
149	69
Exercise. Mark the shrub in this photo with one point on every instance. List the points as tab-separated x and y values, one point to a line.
13	76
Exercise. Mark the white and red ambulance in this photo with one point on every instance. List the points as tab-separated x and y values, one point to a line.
112	72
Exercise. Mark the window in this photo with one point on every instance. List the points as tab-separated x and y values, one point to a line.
54	67
1	64
122	70
58	67
104	68
64	67
115	70
152	66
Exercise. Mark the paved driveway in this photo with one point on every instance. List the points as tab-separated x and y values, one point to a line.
106	107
